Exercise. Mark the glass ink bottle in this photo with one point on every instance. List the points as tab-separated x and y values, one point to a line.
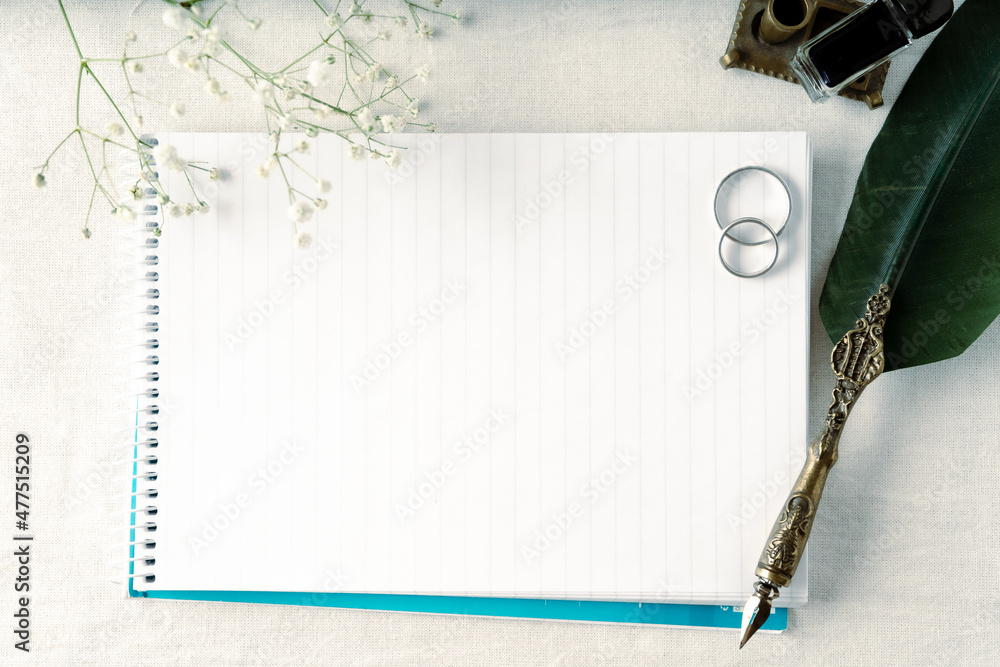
863	40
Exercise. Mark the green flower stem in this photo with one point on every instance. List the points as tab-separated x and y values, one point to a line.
281	168
298	166
90	164
65	139
70	27
411	5
86	220
301	58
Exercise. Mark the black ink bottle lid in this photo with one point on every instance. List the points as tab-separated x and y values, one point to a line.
864	40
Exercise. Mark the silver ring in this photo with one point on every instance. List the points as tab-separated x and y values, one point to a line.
788	193
725	235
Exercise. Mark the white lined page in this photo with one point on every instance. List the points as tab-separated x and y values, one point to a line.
499	370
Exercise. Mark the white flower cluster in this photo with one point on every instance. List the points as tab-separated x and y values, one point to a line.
371	100
167	156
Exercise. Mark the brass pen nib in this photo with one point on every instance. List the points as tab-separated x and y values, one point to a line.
757	609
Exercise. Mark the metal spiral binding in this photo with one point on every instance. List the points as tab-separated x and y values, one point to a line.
141	327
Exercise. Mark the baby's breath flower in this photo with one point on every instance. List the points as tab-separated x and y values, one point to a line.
358	79
193	65
130	36
213	49
212	34
38	180
223	97
319	203
365	119
334	20
413	108
312	132
214	174
254	23
437	3
374	72
356	152
384	35
202	207
425	30
270	163
391	82
401	21
392	123
323	185
330	59
264	92
174	18
457	16
163	199
281	81
212	86
320	113
285	120
166	155
423	72
123	212
274	137
303	240
134	67
355	9
393	158
177	109
137	121
263	171
193	33
189	208
114	129
319	72
178	57
175	211
86	232
302	146
432	127
291	93
300	211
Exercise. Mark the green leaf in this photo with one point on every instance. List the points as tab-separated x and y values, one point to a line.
926	211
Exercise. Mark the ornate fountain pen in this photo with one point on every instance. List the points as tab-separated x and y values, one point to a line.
857	359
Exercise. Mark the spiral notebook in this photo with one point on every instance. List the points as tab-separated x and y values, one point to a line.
508	376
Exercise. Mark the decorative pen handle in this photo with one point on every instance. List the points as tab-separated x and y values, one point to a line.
784	548
857	359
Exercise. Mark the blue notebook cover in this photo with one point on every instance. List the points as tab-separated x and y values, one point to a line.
686	615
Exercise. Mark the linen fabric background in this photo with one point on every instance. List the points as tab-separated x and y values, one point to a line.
903	561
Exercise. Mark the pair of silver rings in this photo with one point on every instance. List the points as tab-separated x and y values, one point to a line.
729	228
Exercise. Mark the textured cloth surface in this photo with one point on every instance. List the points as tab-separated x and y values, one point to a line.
904	555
